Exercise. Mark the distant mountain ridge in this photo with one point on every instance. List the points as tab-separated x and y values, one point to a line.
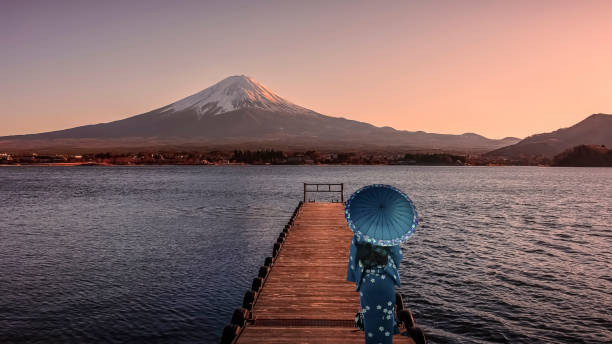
239	109
594	130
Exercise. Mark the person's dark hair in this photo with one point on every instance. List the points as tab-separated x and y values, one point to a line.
371	255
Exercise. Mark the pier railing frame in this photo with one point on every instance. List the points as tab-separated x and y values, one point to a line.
323	187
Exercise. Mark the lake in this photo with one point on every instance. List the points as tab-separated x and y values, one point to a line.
164	254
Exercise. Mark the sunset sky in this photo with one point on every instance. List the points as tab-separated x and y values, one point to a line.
496	68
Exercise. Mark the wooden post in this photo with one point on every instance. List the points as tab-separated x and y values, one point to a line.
342	192
304	192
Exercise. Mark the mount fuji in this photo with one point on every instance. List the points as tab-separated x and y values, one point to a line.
240	110
235	93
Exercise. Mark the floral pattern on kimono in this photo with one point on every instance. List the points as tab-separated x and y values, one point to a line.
376	286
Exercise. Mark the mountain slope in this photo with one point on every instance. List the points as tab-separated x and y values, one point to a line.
239	109
594	130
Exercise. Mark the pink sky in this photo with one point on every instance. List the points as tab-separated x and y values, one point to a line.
497	68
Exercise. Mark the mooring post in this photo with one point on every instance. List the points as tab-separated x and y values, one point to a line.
342	192
304	192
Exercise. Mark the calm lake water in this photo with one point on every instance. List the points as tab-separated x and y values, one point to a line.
164	254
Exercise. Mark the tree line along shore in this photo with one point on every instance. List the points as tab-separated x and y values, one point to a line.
582	155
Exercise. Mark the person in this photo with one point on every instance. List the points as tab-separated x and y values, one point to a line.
374	269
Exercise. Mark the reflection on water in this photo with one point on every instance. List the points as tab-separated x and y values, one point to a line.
164	254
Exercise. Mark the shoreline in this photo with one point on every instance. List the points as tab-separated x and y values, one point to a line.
71	164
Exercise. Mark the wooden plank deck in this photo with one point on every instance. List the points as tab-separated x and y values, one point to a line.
306	298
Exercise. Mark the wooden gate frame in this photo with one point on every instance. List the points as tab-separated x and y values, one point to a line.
323	185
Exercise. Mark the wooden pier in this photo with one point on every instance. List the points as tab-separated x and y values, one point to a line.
306	297
301	294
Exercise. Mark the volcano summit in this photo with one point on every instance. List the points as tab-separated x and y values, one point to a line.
235	93
240	110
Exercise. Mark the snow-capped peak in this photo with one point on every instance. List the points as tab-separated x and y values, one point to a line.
232	93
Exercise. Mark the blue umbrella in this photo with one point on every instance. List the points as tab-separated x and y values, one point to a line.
381	215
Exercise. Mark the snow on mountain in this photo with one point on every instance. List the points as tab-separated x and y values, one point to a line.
233	93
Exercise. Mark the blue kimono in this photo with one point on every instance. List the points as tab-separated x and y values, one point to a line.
376	287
